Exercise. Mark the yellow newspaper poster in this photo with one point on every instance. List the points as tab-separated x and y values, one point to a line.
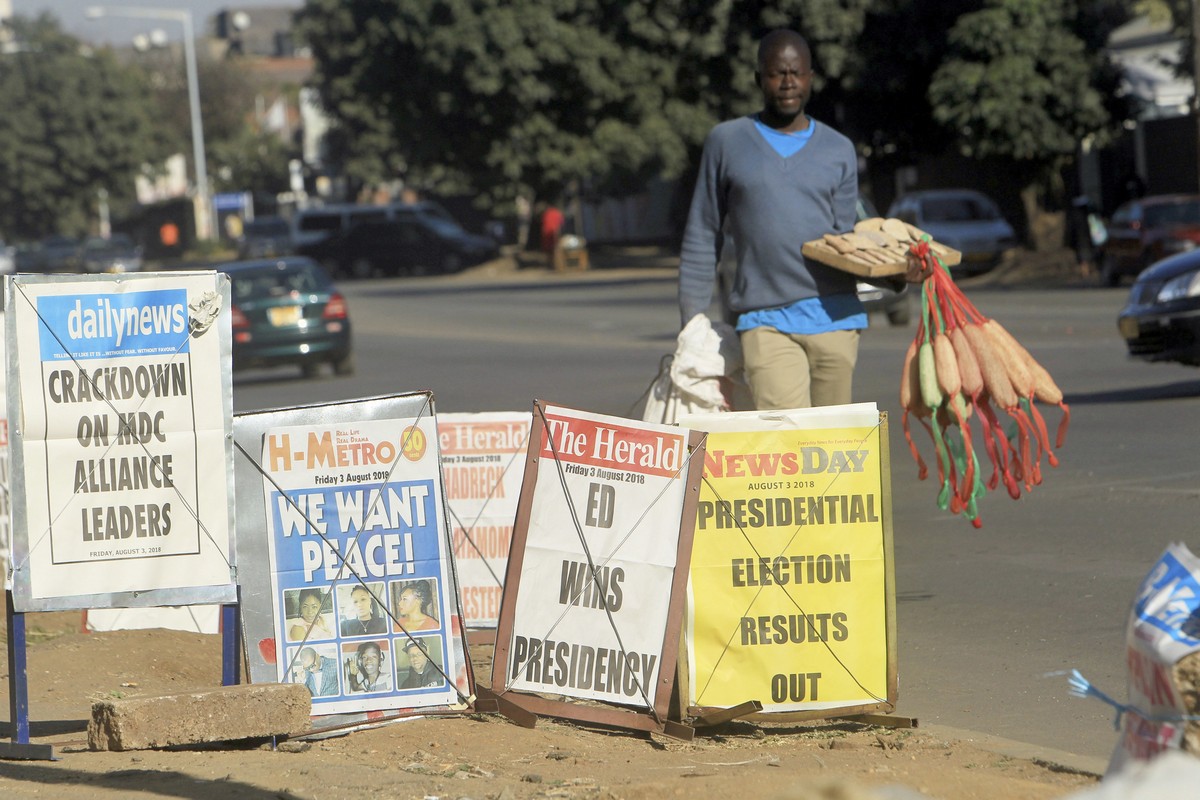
788	595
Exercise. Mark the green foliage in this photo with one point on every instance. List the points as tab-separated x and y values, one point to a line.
1016	83
531	95
239	157
498	97
250	161
502	96
74	122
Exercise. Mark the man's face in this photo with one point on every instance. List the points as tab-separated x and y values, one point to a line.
417	659
308	661
369	661
785	78
362	603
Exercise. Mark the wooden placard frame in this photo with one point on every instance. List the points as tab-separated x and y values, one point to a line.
751	710
655	718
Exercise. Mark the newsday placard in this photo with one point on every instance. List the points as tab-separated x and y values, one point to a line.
791	597
122	463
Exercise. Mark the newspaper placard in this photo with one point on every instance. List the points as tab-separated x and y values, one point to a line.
362	582
790	592
5	504
592	590
1163	628
482	465
123	389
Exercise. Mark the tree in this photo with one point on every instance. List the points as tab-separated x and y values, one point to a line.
500	96
1019	86
1016	83
75	122
239	157
251	161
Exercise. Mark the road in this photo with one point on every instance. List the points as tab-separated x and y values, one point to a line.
988	620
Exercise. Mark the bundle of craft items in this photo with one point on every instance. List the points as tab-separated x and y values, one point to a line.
962	366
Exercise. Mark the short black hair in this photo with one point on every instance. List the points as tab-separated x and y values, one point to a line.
776	40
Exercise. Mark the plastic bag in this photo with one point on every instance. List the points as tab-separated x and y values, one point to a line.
699	377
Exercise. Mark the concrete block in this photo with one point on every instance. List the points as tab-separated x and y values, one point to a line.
223	714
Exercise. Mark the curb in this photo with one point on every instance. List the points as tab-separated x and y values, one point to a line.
1047	757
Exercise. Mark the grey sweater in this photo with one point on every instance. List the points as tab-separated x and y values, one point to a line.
771	206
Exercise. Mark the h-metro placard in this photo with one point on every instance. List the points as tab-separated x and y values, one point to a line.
367	540
593	599
351	591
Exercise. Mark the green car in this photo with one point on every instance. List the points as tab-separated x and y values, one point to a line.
287	311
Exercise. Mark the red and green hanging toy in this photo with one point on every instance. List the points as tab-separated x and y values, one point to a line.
962	365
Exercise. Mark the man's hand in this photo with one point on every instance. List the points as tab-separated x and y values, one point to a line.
919	267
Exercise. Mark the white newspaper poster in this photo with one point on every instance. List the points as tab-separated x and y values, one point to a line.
609	493
122	389
483	467
5	504
361	575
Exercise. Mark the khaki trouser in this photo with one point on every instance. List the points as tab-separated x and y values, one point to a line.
796	371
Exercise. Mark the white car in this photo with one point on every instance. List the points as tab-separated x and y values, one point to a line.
963	219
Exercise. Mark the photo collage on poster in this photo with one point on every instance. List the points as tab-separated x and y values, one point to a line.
342	644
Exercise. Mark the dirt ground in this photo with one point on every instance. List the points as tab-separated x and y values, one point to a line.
470	756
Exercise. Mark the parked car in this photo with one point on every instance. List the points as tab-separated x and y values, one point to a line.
1145	230
1161	320
963	219
117	253
264	237
410	244
288	311
312	225
894	303
58	254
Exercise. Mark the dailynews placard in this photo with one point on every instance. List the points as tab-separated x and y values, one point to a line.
5	506
362	580
122	387
483	468
789	595
609	491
